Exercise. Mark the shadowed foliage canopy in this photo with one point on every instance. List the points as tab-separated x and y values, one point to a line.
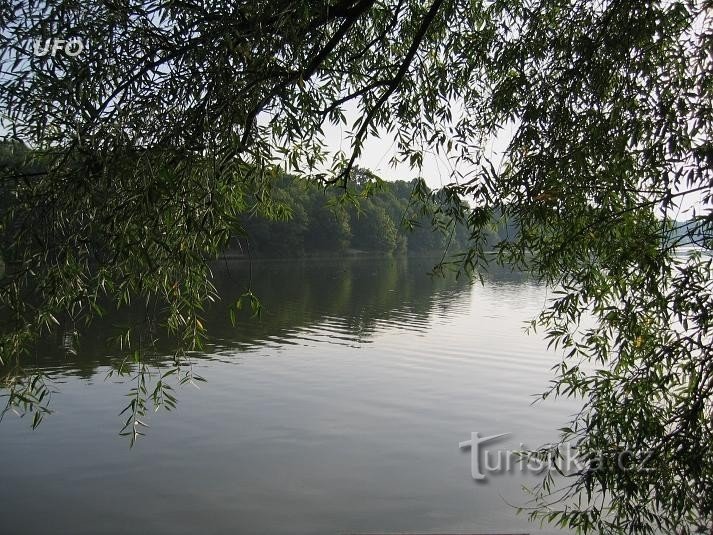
150	144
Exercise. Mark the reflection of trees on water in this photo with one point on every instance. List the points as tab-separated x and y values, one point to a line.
345	300
352	295
356	294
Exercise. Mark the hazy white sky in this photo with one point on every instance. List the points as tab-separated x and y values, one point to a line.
378	152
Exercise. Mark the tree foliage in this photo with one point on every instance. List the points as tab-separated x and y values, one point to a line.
158	134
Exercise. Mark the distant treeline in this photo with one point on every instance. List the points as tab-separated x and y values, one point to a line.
388	218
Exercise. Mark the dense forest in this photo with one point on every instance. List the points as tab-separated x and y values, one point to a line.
382	219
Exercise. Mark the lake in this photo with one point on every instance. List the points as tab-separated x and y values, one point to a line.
339	410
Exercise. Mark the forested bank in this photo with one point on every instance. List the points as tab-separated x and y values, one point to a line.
380	219
296	218
304	219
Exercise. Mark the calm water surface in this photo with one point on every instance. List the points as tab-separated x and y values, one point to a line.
339	411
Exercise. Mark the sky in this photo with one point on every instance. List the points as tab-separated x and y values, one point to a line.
378	152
